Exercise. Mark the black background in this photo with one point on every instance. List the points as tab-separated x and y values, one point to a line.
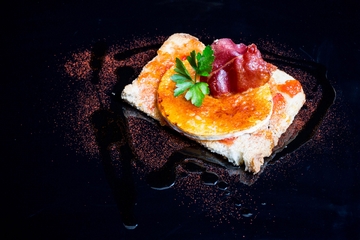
52	192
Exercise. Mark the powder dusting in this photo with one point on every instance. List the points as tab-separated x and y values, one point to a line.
153	145
83	97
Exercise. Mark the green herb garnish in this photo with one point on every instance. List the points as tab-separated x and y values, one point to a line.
195	90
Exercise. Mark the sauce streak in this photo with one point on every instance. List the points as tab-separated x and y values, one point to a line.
290	87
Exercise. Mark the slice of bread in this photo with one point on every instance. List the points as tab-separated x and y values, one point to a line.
248	148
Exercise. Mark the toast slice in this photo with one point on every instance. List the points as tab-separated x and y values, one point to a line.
249	148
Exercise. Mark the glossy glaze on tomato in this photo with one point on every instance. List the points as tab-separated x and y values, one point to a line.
217	118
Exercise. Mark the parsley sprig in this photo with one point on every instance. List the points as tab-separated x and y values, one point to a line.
202	65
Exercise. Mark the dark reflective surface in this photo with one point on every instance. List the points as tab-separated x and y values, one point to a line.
79	164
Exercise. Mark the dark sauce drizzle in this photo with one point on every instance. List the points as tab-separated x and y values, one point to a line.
110	126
